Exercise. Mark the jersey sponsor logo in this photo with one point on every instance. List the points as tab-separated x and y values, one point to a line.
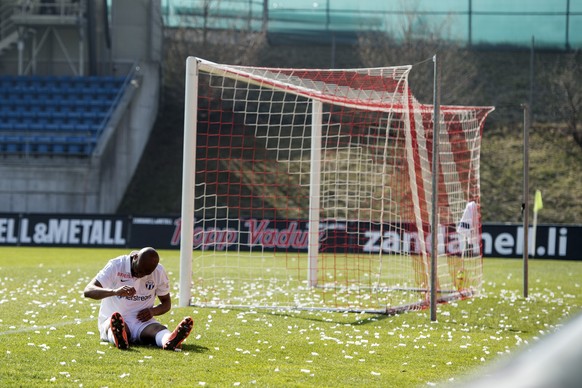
124	275
136	298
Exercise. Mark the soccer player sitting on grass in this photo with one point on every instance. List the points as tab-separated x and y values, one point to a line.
127	287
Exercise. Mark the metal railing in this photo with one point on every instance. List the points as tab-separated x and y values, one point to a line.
555	24
59	8
7	26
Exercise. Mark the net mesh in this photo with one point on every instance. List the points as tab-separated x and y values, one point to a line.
256	164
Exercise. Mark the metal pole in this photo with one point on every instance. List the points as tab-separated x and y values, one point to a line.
265	25
525	204
470	23
435	192
568	25
531	72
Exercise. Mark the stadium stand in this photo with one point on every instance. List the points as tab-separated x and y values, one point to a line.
55	115
79	89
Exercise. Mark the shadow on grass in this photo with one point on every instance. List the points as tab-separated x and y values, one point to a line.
358	320
185	348
194	348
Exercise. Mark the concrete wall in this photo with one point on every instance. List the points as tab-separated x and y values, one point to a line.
47	185
122	145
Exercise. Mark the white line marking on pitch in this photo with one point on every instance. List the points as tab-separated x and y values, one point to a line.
25	329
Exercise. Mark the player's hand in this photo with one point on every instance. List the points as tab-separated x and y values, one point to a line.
127	291
145	315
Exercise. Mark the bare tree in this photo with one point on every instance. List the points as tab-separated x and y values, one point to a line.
222	46
566	89
416	43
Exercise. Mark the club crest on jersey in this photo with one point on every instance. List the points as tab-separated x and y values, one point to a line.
150	285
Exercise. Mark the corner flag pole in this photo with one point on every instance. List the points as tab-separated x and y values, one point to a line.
525	204
435	173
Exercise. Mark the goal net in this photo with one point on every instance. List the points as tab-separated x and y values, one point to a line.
311	189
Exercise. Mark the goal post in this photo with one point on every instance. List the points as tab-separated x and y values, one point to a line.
311	189
188	171
314	192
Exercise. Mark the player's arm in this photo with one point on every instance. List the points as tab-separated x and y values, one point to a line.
95	290
164	306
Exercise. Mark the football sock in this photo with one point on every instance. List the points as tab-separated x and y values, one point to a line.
162	337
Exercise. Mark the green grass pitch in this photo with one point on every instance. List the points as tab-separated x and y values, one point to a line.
48	333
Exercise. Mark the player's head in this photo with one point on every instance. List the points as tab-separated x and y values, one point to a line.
144	262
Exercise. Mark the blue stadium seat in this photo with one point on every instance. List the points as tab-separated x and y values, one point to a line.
41	145
96	129
59	144
27	117
5	83
44	116
74	116
83	128
74	145
34	108
12	116
55	106
13	144
67	127
37	127
20	127
49	82
55	102
58	117
52	127
90	145
5	126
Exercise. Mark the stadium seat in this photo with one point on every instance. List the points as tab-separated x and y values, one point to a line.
37	126
51	108
41	145
52	127
67	127
20	127
74	145
44	116
82	127
59	145
13	144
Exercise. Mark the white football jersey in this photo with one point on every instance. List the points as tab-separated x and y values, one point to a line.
117	273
